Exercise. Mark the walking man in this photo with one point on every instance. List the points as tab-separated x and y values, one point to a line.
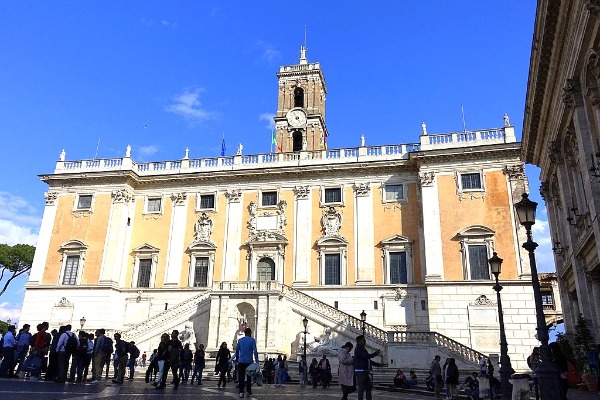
436	371
244	353
362	367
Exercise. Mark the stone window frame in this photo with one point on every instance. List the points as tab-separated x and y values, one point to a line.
460	188
268	190
322	202
149	197
76	203
198	201
145	252
397	244
475	235
201	250
333	245
404	198
72	248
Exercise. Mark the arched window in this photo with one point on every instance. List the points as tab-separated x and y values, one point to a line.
297	138
265	270
299	97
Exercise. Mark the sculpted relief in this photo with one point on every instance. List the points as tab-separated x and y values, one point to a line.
332	222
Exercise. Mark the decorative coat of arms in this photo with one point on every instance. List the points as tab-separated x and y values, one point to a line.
203	228
332	222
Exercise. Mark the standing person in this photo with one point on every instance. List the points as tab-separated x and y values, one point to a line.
436	371
199	364
144	356
302	370
79	359
162	362
89	355
277	367
284	372
175	348
244	353
186	363
67	345
134	353
222	362
346	370
314	372
121	348
324	371
362	367
452	378
99	355
561	364
8	351
23	338
52	369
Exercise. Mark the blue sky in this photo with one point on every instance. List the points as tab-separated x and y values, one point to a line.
93	77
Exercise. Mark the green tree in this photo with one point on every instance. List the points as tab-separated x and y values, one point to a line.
583	342
14	261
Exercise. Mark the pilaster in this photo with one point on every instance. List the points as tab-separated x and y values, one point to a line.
302	236
432	238
176	239
115	242
43	243
363	235
233	233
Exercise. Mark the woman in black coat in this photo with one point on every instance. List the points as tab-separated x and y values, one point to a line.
452	378
222	362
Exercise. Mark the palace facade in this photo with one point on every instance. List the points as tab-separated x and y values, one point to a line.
561	132
402	232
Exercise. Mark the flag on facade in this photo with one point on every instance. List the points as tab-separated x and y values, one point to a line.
273	139
223	146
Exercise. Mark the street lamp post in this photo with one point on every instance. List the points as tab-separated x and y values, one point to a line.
8	321
546	372
506	369
363	320
305	323
82	322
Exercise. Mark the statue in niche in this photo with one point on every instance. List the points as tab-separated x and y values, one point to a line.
188	336
332	222
281	212
203	228
323	344
506	120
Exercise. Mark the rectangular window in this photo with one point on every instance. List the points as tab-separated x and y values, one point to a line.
154	205
269	199
423	305
478	262
207	202
332	269
394	193
335	304
71	267
201	272
375	305
547	300
333	195
398	272
471	181
84	202
144	271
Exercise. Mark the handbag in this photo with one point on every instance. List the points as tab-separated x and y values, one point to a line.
252	369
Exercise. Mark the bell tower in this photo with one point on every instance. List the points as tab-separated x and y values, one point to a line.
300	118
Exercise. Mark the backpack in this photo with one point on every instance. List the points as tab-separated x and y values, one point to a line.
72	345
107	346
83	348
32	340
135	352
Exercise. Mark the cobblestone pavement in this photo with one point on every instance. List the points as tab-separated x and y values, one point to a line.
138	390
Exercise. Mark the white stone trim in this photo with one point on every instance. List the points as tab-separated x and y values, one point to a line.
76	202
145	252
201	250
432	236
208	193
333	245
268	189
322	202
149	197
176	243
74	248
43	243
475	235
404	198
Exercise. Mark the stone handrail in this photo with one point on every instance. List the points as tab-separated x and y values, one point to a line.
371	332
159	319
438	339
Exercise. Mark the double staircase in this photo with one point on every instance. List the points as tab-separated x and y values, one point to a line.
342	323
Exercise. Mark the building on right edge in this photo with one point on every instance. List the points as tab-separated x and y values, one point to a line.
561	134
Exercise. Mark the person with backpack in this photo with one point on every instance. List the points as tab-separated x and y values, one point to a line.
67	346
134	352
103	348
186	363
9	345
23	339
79	359
52	367
175	348
121	349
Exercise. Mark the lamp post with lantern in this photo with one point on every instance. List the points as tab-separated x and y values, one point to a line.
506	369
304	374
363	320
82	322
547	373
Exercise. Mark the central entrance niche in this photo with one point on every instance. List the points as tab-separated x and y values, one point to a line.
265	270
246	317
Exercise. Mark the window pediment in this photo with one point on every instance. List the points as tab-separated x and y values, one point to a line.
395	241
201	246
146	248
326	241
476	231
73	245
265	237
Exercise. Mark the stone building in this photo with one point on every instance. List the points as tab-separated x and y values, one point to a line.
403	232
560	135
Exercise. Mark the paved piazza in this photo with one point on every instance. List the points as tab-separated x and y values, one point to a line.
138	390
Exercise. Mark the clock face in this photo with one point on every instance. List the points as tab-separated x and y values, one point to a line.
296	118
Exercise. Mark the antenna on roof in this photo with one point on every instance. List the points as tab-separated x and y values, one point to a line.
303	59
462	110
97	146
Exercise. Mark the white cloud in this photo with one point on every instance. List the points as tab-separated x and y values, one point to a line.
164	22
268	52
269	118
18	220
146	151
187	105
10	310
544	255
